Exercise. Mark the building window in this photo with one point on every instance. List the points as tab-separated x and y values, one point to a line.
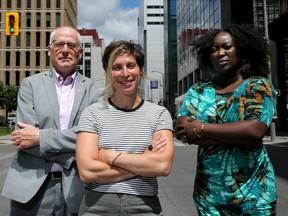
8	4
87	67
17	58
190	78
58	4
28	20
38	39
18	40
37	72
87	48
58	20
27	73
155	6
27	58
48	3
155	15
185	84
17	78
197	76
155	23
38	4
38	20
7	58
37	58
28	3
47	38
180	88
47	59
8	41
18	3
19	20
7	78
48	20
28	39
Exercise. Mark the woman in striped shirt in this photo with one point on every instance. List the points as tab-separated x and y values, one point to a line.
124	143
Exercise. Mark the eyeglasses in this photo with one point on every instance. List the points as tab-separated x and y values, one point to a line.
60	44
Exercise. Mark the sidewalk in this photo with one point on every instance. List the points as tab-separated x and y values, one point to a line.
5	139
278	140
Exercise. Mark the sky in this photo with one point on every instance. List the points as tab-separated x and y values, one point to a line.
113	19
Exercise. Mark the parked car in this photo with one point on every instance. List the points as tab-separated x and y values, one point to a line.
11	119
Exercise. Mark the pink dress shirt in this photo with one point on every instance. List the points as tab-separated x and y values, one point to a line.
65	94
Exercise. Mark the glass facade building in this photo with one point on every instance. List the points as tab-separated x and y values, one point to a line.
195	17
170	56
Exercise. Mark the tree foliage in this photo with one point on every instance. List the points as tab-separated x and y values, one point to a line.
8	98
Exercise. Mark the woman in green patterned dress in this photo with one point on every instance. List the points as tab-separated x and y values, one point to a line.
228	116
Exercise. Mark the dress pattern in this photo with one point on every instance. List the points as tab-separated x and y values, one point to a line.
233	179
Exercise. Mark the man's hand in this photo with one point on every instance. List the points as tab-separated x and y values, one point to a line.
26	137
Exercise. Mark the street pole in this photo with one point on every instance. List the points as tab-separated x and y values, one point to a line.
272	126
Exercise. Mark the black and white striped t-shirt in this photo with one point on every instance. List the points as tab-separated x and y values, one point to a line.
127	131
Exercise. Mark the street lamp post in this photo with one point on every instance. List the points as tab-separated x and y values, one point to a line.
162	86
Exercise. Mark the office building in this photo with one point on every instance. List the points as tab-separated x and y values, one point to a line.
170	56
26	54
278	34
91	64
151	38
197	17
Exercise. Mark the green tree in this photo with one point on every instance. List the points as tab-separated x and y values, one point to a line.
8	95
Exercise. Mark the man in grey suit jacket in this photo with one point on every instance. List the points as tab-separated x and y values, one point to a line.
43	177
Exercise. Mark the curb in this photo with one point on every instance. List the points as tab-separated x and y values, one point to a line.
278	140
5	139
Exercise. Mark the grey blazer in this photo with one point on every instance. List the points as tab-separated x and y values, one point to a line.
38	105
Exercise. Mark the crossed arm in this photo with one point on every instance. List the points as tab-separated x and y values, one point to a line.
94	165
238	133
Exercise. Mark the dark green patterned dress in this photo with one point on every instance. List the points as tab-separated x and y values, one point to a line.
233	179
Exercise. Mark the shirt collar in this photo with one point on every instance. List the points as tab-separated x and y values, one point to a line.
70	80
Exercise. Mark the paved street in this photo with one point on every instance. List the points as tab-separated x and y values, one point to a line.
176	190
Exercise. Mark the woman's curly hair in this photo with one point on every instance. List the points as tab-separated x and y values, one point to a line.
250	43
